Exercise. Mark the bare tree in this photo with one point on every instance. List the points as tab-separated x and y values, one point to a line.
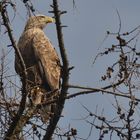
18	120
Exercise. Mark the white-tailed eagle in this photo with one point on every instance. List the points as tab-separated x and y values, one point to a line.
40	58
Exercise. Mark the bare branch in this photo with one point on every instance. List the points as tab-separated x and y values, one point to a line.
95	90
24	83
65	75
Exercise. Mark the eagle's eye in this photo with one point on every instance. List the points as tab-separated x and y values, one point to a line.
42	17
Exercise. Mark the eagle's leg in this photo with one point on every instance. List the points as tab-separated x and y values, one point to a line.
47	110
45	100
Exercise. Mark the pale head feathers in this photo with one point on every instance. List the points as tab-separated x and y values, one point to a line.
38	21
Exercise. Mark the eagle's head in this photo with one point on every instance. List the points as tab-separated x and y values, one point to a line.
38	21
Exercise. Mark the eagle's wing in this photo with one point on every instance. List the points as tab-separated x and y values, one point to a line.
48	60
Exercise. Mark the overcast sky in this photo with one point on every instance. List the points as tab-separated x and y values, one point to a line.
87	25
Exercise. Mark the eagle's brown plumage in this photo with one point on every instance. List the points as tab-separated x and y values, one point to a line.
41	59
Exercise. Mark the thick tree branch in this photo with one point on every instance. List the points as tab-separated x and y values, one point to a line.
65	74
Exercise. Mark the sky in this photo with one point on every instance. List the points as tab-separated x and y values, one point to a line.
84	37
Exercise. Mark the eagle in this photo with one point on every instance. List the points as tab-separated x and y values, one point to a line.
40	58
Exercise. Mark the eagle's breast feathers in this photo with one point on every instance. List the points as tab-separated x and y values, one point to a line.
40	57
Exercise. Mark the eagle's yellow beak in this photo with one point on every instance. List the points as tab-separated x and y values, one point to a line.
50	19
